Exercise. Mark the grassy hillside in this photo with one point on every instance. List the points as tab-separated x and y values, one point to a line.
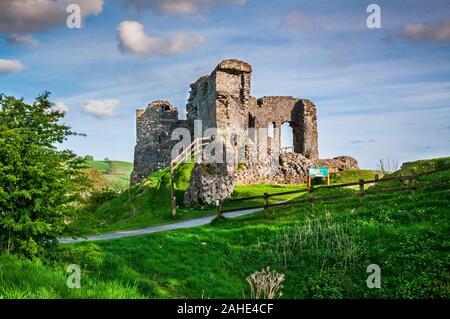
323	250
423	166
148	203
350	176
116	172
145	204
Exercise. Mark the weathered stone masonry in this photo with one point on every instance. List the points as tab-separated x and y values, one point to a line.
222	100
154	127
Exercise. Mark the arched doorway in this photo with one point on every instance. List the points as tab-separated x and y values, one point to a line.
287	137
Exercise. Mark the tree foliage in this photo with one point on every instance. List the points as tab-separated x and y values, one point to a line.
38	182
96	190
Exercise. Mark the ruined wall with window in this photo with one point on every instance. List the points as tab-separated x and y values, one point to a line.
154	126
299	113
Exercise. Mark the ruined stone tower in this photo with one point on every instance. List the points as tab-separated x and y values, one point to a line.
154	126
222	101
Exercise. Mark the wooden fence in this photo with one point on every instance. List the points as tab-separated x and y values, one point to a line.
361	193
193	150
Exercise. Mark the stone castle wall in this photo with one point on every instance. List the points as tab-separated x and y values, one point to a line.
292	169
299	113
154	126
220	100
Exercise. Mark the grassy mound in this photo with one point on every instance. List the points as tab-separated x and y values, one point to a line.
351	176
145	204
324	250
148	203
418	167
116	172
422	166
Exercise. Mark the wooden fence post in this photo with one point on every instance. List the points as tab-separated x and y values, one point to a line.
219	208
414	185
266	203
173	198
328	176
174	205
361	191
310	196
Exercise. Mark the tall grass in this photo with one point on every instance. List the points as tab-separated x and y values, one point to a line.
24	279
326	241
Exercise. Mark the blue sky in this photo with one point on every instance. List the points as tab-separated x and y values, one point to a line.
379	92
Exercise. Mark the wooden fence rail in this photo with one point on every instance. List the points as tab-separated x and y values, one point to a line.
361	193
193	150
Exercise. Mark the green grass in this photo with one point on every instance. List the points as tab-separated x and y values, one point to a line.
24	279
116	172
148	203
417	167
351	176
145	204
323	250
423	166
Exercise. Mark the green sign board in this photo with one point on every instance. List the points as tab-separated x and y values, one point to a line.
318	171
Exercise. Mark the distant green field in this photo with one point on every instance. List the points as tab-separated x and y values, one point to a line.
117	172
322	249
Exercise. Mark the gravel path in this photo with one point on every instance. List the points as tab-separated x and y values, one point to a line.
154	229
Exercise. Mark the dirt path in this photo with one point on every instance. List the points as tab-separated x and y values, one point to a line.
154	229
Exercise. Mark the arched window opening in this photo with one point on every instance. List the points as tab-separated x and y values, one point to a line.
287	138
251	121
271	130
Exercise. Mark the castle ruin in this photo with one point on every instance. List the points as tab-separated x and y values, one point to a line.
222	101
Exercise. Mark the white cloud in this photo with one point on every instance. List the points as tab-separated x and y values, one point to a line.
22	39
10	66
133	39
356	142
61	107
296	20
179	6
20	17
435	33
100	108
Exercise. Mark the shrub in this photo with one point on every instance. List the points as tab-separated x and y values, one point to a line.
39	184
265	284
98	198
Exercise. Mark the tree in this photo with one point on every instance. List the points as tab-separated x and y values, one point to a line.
95	180
97	190
38	182
89	158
